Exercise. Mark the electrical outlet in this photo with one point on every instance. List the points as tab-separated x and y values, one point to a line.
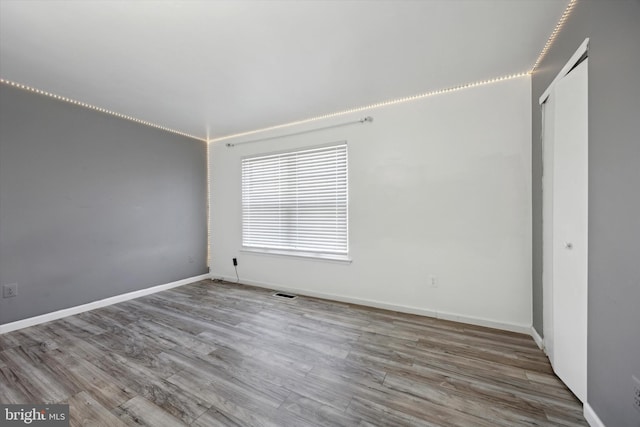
636	392
433	281
10	290
235	261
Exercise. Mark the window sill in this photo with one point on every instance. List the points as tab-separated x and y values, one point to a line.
341	259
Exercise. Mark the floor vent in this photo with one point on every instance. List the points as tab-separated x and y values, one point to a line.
283	295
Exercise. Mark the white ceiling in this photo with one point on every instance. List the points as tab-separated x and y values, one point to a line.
214	68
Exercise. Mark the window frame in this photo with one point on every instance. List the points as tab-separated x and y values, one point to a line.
292	252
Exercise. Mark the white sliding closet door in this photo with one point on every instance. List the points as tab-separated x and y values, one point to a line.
570	230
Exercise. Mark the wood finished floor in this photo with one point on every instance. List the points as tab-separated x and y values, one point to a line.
220	354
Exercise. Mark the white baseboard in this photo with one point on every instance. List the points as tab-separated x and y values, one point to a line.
31	321
525	329
537	338
479	321
591	416
328	296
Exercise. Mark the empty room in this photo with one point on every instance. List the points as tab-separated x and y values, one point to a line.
320	213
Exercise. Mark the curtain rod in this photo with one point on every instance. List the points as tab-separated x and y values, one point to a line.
367	119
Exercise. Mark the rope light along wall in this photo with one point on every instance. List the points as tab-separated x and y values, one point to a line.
547	46
376	105
99	109
545	49
554	34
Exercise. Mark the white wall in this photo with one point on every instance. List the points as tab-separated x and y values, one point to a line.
440	185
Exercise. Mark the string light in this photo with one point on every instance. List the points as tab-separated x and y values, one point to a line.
547	46
545	49
554	33
376	105
93	107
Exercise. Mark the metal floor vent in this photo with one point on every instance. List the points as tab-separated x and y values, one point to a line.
283	295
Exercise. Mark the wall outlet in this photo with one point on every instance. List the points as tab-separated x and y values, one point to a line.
636	392
10	290
235	261
433	281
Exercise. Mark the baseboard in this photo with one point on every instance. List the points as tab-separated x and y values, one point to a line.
328	296
537	338
31	321
525	329
479	321
591	416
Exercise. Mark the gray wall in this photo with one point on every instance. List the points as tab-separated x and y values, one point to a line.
92	206
614	197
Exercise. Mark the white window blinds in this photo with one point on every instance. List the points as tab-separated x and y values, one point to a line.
296	201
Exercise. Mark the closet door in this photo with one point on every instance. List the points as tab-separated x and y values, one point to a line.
569	208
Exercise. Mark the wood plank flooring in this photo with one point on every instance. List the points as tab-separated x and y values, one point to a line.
221	354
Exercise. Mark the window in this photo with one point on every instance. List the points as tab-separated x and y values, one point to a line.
296	202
